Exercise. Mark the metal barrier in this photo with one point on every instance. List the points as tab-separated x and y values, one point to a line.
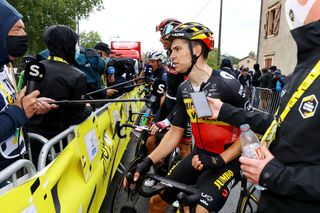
67	134
264	100
11	171
43	155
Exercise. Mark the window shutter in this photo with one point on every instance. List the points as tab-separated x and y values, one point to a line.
276	20
266	25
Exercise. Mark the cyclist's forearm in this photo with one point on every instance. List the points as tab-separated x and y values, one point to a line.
232	152
168	143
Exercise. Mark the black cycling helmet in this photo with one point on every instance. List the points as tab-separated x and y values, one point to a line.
193	31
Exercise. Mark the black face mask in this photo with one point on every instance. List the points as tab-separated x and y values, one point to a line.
17	45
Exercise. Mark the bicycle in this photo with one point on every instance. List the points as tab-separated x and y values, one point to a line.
147	186
247	202
249	197
141	150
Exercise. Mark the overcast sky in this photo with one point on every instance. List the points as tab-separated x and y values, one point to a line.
132	20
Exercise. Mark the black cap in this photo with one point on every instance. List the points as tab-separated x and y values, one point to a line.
273	68
103	47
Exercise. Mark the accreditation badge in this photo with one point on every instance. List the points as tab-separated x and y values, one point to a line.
308	106
13	146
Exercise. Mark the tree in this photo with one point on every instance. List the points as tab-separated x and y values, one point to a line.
212	58
89	39
252	54
40	14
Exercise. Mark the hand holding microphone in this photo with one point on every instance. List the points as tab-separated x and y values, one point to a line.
34	73
148	70
28	103
27	98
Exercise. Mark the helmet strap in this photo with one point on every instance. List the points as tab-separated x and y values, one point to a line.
193	57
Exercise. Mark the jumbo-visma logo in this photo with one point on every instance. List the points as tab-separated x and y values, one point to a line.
308	106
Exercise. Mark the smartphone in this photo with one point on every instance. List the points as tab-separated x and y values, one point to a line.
201	104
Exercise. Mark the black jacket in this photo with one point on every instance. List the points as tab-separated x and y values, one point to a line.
61	82
292	177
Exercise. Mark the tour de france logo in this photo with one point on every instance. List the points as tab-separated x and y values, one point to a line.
308	106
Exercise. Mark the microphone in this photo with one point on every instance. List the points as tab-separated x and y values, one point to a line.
158	89
148	70
33	73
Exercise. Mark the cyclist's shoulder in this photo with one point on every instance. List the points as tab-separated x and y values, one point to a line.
222	75
185	85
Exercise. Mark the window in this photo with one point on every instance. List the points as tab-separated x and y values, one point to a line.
267	61
272	22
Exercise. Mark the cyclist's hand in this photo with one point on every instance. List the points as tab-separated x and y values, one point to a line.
205	161
128	180
154	129
142	168
164	124
252	168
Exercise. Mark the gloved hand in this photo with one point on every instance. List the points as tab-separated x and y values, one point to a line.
210	162
163	124
143	167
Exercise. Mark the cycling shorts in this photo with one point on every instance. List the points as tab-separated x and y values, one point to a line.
214	184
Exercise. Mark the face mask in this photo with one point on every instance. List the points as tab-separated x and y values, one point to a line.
17	45
106	60
297	13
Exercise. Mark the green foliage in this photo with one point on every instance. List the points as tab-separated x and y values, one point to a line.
40	14
212	59
89	39
252	54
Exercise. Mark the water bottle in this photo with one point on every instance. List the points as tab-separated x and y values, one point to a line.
250	144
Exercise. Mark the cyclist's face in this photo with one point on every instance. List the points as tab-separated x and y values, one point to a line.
165	43
180	55
154	63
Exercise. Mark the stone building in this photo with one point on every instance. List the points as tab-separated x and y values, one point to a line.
276	45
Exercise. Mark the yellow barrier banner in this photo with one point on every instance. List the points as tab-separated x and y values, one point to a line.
77	180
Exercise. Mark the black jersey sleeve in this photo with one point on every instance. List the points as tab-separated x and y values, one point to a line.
180	116
234	94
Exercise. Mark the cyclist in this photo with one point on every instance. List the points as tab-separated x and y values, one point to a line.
216	145
163	117
155	70
165	114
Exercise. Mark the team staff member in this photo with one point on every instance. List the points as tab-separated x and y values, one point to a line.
291	168
61	82
215	142
15	109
